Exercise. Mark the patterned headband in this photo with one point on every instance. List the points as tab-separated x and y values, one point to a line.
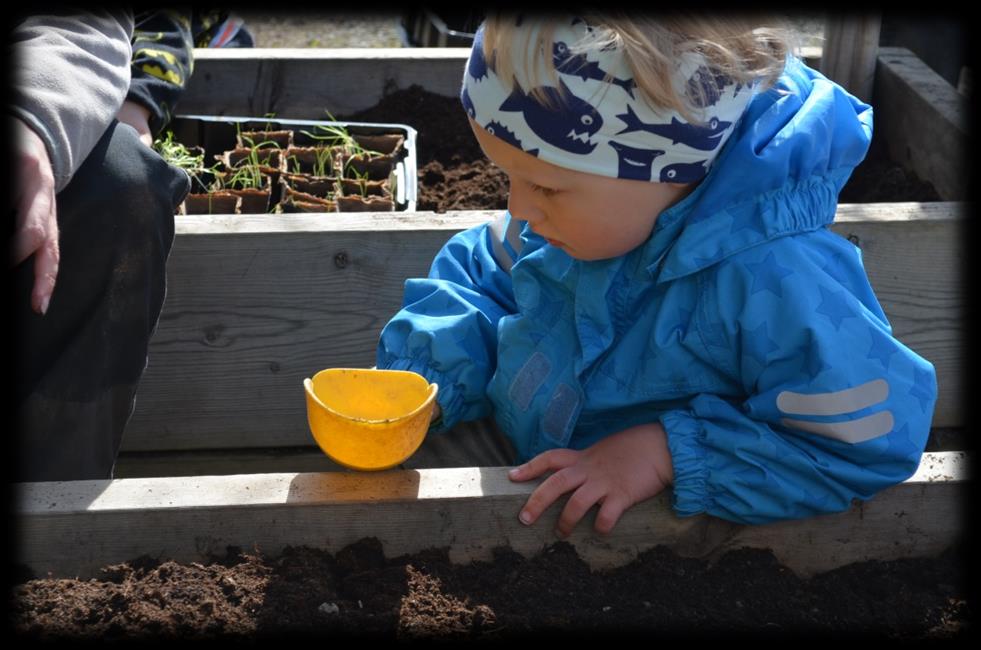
602	127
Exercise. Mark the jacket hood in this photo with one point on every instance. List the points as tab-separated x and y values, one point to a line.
779	174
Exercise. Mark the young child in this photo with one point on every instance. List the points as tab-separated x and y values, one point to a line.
664	304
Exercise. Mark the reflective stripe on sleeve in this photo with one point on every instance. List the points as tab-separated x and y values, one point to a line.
834	403
851	431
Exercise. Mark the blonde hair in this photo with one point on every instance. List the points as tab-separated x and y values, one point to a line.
741	48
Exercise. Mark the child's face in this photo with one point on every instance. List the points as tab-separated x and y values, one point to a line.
590	217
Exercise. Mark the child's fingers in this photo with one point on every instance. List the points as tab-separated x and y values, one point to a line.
545	494
551	460
611	509
576	508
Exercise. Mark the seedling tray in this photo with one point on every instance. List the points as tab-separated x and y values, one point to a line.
217	135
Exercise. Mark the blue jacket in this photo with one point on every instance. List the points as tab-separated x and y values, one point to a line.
743	324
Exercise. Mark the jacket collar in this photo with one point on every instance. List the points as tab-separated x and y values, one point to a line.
779	174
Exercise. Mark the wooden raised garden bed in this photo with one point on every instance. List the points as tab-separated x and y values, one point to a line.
218	453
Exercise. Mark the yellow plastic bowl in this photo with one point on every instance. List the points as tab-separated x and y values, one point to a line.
369	419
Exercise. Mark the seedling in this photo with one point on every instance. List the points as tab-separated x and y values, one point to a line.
321	165
324	163
337	135
181	156
268	117
245	177
247	173
362	182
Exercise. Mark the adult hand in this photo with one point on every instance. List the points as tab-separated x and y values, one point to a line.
36	220
138	117
616	472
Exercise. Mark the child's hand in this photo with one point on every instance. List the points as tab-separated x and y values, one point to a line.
616	472
138	117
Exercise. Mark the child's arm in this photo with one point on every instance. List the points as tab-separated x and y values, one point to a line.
447	327
163	58
830	406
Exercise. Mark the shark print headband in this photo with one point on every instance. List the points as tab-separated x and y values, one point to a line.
602	127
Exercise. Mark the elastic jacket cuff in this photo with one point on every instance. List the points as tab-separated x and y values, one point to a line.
686	444
449	397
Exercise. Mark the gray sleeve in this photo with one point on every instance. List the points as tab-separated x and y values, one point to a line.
72	74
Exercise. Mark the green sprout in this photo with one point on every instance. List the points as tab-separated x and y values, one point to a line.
362	180
245	177
325	160
269	116
180	156
338	135
247	173
322	165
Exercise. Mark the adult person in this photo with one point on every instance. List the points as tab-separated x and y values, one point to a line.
93	226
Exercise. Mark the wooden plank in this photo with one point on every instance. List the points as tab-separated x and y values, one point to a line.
217	462
851	45
914	256
256	304
811	55
301	83
923	121
470	510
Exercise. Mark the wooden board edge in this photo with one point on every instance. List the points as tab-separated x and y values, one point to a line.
469	510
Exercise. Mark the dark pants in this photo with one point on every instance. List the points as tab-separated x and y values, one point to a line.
76	369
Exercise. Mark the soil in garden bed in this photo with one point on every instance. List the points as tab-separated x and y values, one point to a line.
454	174
360	593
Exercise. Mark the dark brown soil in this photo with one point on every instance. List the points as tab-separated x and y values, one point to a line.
360	593
454	174
880	180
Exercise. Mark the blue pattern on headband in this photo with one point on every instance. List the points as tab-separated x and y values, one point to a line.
477	66
569	128
703	138
504	133
579	66
710	84
684	172
634	163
